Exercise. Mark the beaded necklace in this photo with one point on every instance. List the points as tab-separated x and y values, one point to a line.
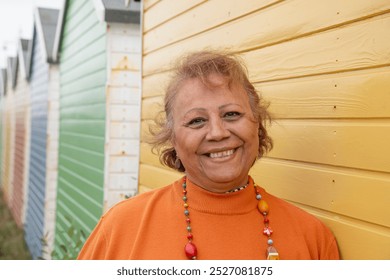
192	252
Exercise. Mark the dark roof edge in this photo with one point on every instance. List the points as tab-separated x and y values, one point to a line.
58	36
117	11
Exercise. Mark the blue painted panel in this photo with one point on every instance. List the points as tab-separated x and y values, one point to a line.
39	87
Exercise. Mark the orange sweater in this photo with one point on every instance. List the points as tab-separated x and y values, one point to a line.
152	226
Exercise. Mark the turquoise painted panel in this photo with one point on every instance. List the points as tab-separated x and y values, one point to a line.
82	124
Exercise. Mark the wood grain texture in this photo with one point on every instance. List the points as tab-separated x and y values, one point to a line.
324	68
259	30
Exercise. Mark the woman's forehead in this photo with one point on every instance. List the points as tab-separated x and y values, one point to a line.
194	93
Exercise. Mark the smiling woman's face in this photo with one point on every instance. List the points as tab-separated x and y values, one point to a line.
215	133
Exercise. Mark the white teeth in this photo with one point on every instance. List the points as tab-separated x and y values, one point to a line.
221	154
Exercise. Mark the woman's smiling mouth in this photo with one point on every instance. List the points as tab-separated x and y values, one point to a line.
221	154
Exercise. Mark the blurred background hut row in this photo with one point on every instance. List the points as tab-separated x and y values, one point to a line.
77	99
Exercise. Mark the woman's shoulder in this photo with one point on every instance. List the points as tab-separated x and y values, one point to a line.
294	213
138	203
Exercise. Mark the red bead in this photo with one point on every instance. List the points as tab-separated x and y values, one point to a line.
184	192
188	220
190	250
266	220
190	236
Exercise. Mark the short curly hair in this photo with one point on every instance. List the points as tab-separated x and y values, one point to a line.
200	65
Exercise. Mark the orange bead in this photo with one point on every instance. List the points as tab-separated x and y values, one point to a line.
263	207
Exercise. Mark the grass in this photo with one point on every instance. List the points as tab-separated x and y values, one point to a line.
12	244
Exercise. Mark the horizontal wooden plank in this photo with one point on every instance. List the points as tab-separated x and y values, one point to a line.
66	208
154	85
80	24
334	189
125	61
83	141
164	10
338	143
128	113
89	112
128	130
160	177
301	23
195	20
95	47
149	3
151	158
357	239
123	164
151	107
85	195
120	147
78	48
125	43
124	78
83	98
84	126
123	95
362	45
76	11
95	80
90	65
357	94
122	181
81	157
124	29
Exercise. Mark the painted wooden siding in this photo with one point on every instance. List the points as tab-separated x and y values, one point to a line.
324	65
123	112
83	78
35	209
9	143
18	197
52	143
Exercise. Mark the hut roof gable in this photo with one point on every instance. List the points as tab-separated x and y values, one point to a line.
25	52
47	21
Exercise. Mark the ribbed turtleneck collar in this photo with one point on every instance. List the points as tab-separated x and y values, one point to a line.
235	203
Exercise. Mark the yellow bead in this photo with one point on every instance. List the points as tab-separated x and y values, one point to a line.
263	206
185	205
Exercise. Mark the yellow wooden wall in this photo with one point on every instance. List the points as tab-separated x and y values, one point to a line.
325	67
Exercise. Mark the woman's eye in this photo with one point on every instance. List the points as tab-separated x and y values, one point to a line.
197	122
232	115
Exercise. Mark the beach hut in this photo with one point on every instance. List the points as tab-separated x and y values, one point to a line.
324	66
8	122
21	103
3	86
43	144
99	115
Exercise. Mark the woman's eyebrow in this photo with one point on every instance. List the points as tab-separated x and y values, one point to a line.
194	109
229	104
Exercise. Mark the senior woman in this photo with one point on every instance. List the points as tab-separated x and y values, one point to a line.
214	130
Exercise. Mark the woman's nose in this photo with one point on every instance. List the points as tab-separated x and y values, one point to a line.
217	130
